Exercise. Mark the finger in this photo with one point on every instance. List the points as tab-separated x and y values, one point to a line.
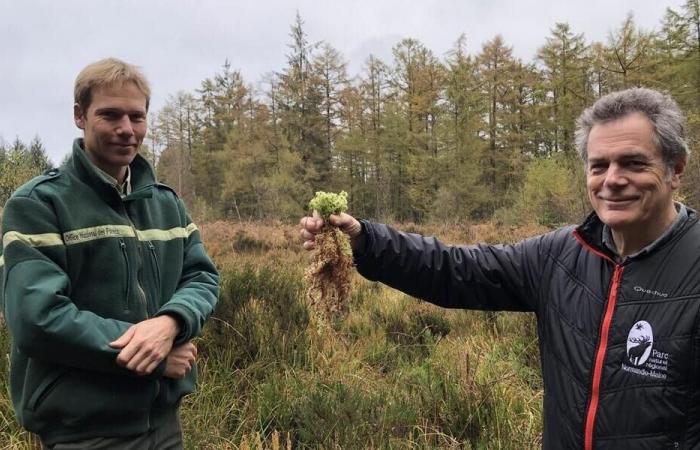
346	223
309	245
307	236
336	219
139	362
342	221
150	367
123	339
316	221
126	356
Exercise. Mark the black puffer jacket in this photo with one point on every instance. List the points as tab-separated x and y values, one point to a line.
619	343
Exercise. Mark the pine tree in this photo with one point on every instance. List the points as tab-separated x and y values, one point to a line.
299	98
497	69
416	83
461	194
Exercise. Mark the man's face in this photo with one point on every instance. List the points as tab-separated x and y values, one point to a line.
629	184
114	126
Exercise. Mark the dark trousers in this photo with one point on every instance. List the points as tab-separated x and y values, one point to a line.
166	437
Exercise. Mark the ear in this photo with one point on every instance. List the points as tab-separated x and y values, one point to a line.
78	116
677	173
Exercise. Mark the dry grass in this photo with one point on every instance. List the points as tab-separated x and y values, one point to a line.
395	373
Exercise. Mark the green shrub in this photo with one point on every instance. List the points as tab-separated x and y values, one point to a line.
396	374
260	314
243	243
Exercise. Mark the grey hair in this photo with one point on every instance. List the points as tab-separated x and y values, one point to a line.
659	108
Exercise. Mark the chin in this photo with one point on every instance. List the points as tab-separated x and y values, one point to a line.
617	220
123	160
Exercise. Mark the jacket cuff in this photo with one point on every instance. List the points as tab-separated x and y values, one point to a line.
183	332
367	242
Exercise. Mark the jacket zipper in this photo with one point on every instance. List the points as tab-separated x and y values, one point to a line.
156	268
600	357
142	294
138	283
122	245
602	347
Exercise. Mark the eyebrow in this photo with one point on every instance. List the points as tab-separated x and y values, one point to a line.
119	110
624	157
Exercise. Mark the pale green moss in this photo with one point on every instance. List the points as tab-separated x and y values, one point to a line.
327	203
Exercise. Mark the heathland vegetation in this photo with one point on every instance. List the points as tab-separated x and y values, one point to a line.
395	373
475	146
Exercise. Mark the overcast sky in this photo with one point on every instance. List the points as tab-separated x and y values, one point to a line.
179	43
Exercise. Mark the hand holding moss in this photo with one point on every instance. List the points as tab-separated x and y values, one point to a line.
328	208
329	274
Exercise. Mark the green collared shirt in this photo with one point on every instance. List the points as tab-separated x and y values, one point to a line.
124	188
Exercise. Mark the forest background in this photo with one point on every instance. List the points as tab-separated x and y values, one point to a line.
467	137
469	147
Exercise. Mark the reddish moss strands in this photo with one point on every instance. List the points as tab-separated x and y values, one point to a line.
328	276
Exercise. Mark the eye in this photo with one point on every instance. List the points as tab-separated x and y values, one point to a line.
111	115
636	164
596	168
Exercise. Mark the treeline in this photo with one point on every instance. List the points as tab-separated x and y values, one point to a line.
469	135
19	162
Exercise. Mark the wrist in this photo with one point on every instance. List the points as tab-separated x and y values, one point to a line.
172	323
357	242
358	238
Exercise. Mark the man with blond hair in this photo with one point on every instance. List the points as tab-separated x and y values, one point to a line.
617	298
106	282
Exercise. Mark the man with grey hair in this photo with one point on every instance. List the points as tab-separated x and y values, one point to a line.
617	298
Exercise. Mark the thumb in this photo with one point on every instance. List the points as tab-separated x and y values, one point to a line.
338	220
317	219
347	223
123	339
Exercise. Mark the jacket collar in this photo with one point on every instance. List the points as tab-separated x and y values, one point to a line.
591	231
143	179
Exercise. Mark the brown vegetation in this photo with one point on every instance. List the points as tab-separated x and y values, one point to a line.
329	275
395	373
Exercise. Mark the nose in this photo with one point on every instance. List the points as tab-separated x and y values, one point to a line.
615	176
124	127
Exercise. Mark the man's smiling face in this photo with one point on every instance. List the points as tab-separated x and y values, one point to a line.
629	184
114	126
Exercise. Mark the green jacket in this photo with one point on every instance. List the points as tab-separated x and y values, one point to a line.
80	265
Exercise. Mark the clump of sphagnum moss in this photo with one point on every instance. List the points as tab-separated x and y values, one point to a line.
328	276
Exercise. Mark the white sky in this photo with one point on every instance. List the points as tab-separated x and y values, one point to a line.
179	43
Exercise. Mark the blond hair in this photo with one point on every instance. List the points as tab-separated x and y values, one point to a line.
108	72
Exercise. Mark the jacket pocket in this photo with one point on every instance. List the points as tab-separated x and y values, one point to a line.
44	388
77	398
